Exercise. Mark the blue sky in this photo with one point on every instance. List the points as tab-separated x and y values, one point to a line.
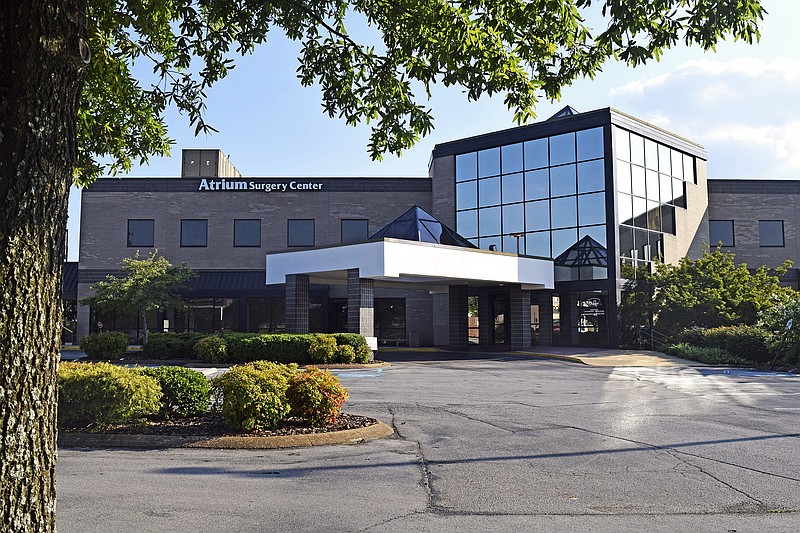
742	103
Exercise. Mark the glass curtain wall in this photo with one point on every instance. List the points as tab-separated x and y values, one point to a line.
651	185
549	190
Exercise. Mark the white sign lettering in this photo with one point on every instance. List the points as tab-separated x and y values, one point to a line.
240	185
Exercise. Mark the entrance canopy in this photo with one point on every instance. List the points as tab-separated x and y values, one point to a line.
419	264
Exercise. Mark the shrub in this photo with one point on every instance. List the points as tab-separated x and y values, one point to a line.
322	349
316	396
102	393
278	347
363	354
171	345
745	342
345	354
253	396
105	344
706	354
186	392
211	349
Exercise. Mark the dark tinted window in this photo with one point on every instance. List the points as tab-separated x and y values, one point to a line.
247	232
194	232
140	233
720	231
355	230
300	232
770	233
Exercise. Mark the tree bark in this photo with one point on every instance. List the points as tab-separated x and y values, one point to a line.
40	83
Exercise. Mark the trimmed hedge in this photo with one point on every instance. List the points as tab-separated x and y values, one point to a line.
243	348
705	354
111	344
186	392
745	342
316	396
171	345
102	393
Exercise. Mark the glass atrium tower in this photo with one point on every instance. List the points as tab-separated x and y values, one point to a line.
601	193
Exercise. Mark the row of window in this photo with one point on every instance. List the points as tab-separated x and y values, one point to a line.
557	150
770	233
653	156
246	232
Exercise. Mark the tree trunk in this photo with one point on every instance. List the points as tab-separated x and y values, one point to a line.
144	326
39	94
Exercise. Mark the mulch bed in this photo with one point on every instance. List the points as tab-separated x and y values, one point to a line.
213	425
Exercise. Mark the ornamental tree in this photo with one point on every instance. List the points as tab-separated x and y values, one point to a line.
713	291
72	108
150	284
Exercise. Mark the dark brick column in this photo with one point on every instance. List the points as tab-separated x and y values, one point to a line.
360	304
297	303
459	321
519	321
485	318
545	317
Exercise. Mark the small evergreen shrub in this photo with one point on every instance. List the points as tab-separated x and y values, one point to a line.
345	354
322	349
212	349
186	392
316	396
363	354
111	344
253	397
102	393
171	345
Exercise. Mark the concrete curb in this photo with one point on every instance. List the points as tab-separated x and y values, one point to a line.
101	440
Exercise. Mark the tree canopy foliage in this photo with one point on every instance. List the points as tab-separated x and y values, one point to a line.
150	284
713	291
525	49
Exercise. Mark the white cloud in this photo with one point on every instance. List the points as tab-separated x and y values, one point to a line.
784	68
639	86
781	141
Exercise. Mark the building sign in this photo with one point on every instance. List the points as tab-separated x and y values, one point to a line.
265	186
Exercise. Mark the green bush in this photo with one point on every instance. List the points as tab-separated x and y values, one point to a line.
102	393
316	396
705	354
253	397
345	354
745	342
322	349
363	354
171	345
278	347
106	344
212	349
186	392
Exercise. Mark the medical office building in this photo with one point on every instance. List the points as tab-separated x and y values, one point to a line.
523	236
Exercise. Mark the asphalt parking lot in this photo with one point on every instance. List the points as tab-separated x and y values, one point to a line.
492	443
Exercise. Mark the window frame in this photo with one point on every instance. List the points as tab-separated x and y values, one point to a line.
783	235
313	232
720	241
205	245
152	233
341	229
235	220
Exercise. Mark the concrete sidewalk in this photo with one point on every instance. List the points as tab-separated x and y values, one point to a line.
612	357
